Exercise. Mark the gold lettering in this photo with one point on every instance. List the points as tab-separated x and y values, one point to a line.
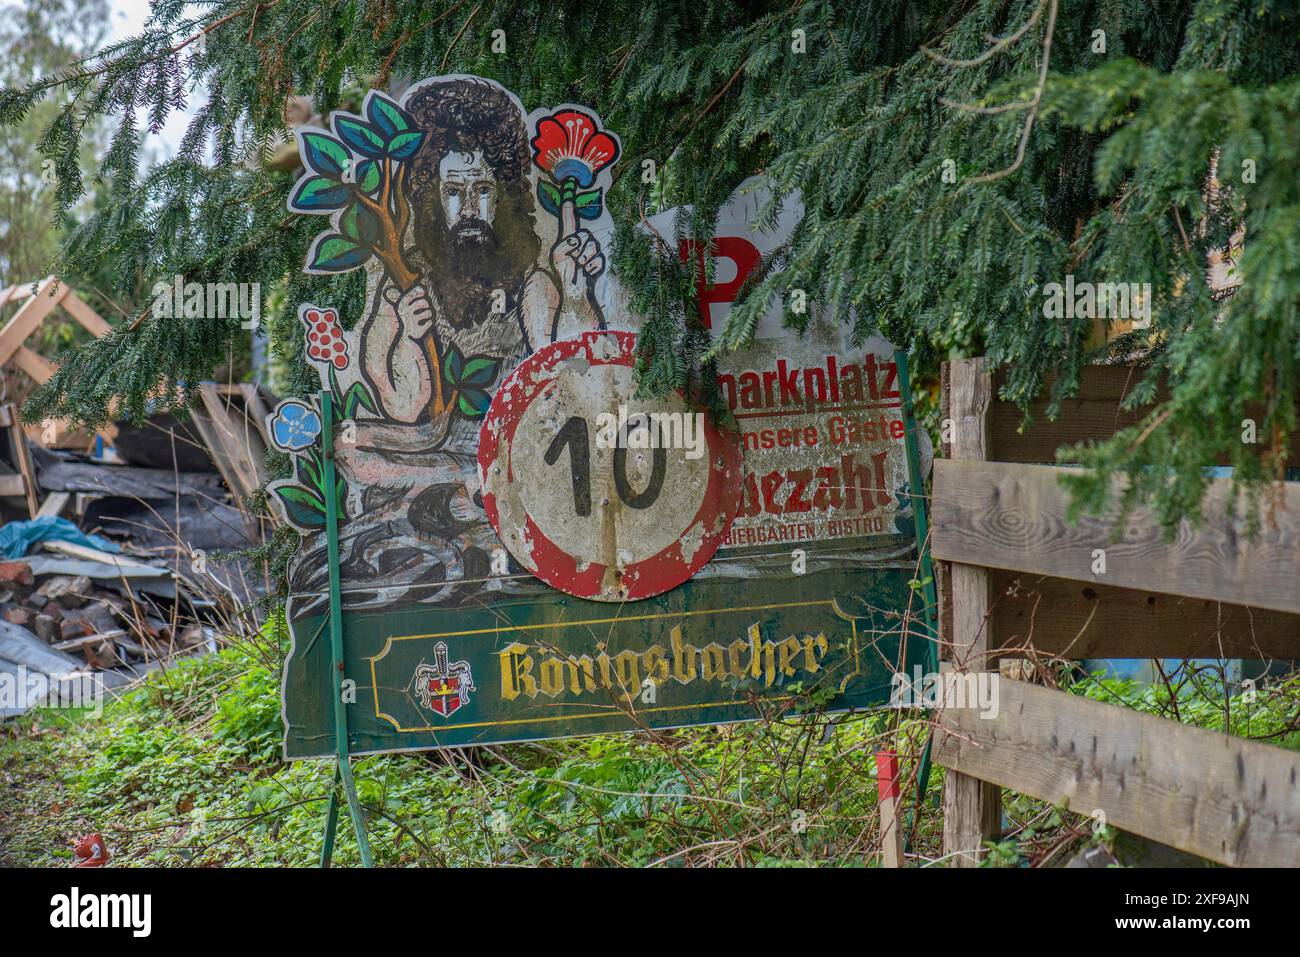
552	675
582	674
602	662
627	667
517	672
789	649
683	657
654	661
735	654
714	663
811	658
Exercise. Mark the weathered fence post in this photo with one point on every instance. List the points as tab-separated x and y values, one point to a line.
971	808
887	793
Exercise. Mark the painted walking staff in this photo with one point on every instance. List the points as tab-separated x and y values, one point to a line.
476	224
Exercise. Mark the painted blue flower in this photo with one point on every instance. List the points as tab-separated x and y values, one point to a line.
295	426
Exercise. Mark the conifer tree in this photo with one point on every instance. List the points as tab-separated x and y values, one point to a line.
954	160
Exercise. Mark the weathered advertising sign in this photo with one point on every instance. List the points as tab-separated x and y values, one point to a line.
647	503
821	421
483	234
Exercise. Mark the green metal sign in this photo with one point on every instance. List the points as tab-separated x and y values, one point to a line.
552	665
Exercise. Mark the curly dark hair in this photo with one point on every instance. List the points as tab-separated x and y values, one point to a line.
465	115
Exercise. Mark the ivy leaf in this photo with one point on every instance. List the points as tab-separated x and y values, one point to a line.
453	364
334	253
480	371
302	506
368	176
405	145
360	136
387	117
309	469
361	225
358	394
319	194
324	154
473	402
588	205
549	197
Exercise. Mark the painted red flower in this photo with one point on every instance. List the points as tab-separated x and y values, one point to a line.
569	145
325	340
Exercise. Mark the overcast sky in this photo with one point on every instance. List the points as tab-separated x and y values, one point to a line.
128	21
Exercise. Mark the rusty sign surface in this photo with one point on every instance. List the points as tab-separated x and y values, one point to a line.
483	235
820	420
649	496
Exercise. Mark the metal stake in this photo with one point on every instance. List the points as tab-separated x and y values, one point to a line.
920	517
343	768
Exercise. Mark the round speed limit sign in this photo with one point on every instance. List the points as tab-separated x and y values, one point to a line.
595	492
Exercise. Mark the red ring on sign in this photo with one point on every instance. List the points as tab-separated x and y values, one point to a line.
660	572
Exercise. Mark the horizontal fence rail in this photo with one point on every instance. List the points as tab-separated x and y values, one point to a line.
1233	801
1074	620
1012	517
1093	415
1017	579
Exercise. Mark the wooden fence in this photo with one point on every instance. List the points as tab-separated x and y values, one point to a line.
1016	579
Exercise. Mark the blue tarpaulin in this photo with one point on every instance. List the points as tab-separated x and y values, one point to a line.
17	537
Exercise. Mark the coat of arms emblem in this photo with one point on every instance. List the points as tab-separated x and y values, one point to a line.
443	687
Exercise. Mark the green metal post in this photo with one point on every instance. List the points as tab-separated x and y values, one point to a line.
920	516
920	513
331	821
344	771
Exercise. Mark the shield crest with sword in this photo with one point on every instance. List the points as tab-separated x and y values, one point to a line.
442	687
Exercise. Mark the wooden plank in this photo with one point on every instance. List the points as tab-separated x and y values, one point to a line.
1093	415
1076	620
54	504
37	368
22	458
240	444
1013	517
81	311
214	437
887	799
17	293
256	410
972	808
14	486
76	644
121	562
1233	801
29	317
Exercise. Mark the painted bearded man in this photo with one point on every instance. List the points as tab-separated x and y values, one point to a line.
490	289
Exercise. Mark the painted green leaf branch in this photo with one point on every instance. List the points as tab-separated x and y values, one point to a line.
466	381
